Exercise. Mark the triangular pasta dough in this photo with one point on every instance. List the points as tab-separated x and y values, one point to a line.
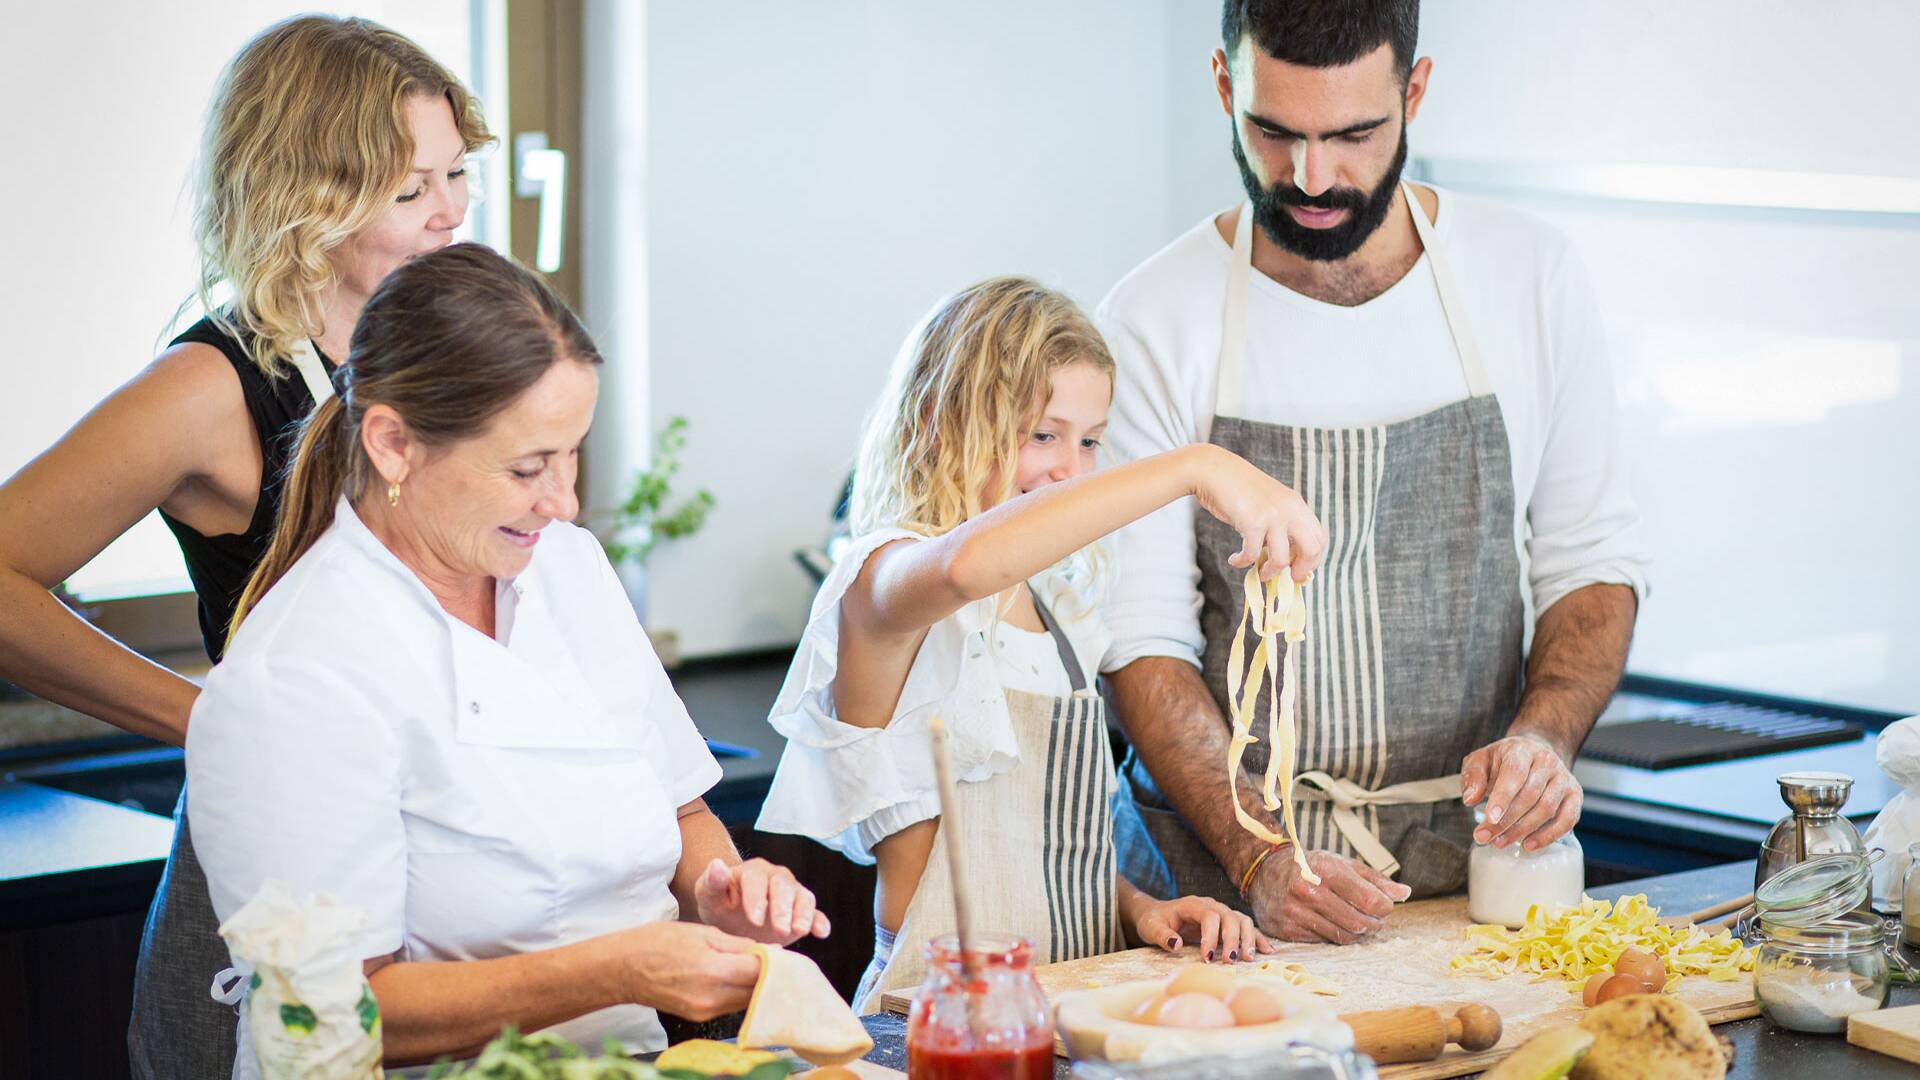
794	1005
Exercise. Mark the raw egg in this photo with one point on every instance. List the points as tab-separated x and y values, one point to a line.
1215	982
1195	1011
1252	1005
1644	966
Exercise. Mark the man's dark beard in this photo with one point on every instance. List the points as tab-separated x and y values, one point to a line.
1366	209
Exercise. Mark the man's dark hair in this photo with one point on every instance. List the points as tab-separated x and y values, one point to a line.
1324	33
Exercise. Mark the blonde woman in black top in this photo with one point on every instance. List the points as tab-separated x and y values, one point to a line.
334	151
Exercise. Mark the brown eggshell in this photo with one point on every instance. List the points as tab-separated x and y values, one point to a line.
1594	980
1617	986
1644	966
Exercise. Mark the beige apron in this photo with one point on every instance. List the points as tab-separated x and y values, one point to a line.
1039	843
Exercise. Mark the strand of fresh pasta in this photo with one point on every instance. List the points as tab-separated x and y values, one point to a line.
1272	608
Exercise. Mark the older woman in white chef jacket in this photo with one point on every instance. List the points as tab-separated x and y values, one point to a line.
438	706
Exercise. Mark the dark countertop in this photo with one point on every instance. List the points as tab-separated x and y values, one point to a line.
729	700
87	832
66	856
1761	1051
1638	822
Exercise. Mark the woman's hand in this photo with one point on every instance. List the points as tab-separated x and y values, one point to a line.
758	900
689	970
1265	512
1222	933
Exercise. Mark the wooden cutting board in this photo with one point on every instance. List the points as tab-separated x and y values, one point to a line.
1406	963
1893	1032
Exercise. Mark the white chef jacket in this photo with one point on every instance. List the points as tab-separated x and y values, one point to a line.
477	797
1315	364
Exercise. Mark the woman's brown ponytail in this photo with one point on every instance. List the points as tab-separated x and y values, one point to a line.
326	463
447	341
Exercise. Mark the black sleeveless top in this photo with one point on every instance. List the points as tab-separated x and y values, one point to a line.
220	565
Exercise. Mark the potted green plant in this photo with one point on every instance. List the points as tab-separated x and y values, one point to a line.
648	517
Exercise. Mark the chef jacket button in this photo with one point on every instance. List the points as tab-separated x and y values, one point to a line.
473	706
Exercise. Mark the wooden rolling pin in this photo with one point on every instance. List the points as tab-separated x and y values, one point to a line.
1421	1032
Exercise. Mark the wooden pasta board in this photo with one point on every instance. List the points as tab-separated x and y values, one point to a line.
1406	963
1893	1032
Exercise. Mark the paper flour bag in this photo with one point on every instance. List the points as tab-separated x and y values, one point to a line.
1898	823
307	1010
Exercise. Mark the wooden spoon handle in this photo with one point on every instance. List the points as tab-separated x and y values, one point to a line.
1706	913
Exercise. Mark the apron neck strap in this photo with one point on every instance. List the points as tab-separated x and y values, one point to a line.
1463	341
306	360
1233	325
1233	328
1075	675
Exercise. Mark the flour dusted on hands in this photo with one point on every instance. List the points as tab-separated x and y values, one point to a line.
1275	607
309	1012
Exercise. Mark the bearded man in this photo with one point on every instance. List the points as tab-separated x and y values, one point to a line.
1430	372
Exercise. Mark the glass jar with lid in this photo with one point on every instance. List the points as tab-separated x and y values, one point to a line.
1821	958
1910	899
1503	882
995	1025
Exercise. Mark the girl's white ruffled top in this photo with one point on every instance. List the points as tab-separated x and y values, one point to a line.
850	787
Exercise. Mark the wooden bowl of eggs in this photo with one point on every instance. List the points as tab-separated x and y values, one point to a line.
1202	1010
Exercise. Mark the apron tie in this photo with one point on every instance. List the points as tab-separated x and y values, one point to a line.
1348	797
230	985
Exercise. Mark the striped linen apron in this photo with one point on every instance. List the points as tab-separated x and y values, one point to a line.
1412	658
1039	843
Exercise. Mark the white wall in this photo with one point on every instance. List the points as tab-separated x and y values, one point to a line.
1768	363
615	297
105	104
818	175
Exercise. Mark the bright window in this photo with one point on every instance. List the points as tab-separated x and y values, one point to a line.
105	117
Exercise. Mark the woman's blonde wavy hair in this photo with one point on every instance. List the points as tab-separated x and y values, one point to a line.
306	143
959	403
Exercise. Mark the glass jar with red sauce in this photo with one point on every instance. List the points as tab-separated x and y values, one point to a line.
997	1027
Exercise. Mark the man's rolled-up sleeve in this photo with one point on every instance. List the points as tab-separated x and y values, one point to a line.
1584	526
1153	606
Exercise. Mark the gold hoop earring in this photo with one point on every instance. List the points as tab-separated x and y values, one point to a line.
393	494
